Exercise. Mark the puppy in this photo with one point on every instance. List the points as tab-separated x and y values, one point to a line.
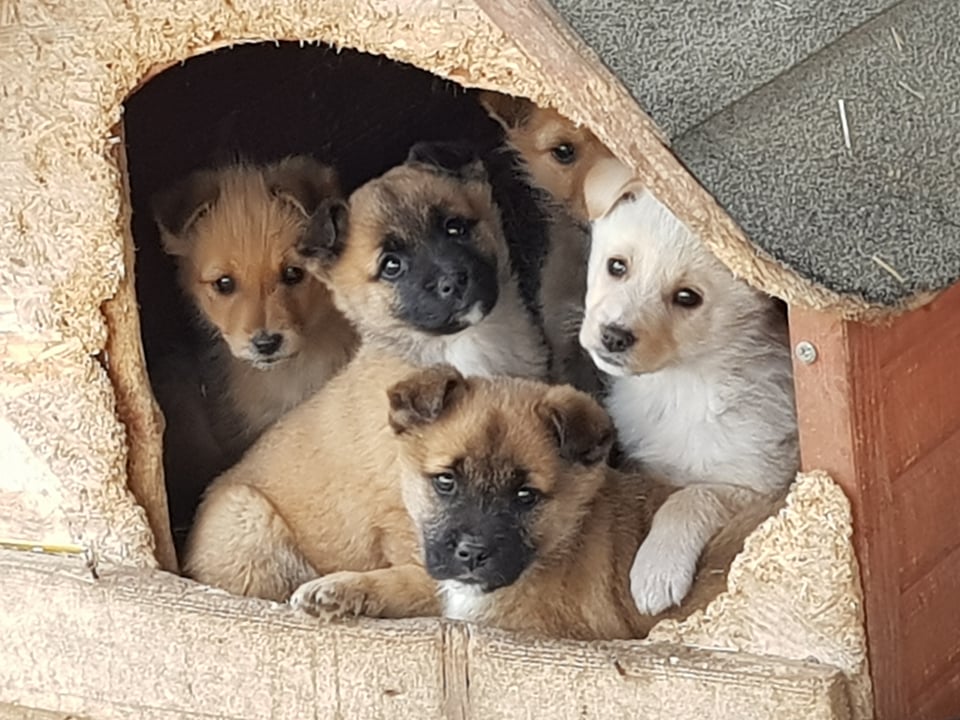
276	335
418	261
522	522
702	389
316	494
557	155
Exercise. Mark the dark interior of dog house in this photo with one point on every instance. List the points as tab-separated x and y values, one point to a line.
259	103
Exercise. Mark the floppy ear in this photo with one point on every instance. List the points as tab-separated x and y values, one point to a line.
302	182
511	112
325	236
605	185
425	396
583	430
459	159
177	209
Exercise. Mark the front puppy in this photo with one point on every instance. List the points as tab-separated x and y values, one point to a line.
702	390
557	155
275	335
419	263
522	521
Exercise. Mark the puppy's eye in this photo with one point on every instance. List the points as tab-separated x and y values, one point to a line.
687	298
444	483
616	267
224	285
527	496
391	267
564	153
456	226
291	275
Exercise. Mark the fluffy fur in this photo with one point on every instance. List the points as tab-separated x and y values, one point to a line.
275	334
522	521
319	510
557	155
419	262
434	215
702	390
316	495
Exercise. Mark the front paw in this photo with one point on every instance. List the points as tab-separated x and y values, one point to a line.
332	597
660	578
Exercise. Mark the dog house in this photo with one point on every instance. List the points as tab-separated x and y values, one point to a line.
812	147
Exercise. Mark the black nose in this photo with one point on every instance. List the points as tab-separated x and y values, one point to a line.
450	285
616	339
267	343
471	554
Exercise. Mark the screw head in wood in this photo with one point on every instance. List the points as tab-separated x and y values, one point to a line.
806	352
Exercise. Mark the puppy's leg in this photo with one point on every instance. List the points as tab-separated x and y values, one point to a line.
401	591
666	562
241	544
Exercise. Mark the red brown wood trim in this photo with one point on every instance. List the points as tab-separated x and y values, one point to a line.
879	410
840	429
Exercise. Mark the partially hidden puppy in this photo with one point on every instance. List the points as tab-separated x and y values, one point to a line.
419	262
275	334
557	155
702	388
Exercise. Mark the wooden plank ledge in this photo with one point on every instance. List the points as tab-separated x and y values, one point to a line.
149	644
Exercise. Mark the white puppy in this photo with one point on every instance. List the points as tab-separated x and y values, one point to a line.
702	388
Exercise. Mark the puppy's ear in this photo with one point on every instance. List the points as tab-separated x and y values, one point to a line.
422	398
511	112
325	236
459	159
583	430
177	209
605	185
302	182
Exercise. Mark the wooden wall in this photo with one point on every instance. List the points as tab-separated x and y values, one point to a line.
880	411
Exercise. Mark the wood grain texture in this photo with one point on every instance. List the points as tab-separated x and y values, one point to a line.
19	712
880	411
151	645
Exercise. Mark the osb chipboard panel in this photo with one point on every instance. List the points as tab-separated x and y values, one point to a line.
150	645
793	592
19	712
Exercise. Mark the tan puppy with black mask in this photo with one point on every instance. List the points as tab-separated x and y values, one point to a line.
522	521
557	155
420	265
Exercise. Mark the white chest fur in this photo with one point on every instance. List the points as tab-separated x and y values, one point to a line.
711	425
506	342
462	601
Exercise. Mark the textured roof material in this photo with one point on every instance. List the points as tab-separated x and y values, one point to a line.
755	105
